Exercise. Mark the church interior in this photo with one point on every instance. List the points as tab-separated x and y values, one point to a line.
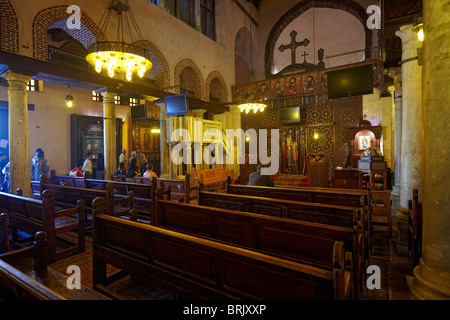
224	150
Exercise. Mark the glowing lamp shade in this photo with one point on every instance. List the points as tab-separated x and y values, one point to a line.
117	62
69	101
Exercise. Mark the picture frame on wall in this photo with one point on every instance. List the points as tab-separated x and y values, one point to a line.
364	142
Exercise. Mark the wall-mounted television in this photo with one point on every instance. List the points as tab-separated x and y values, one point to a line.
139	112
176	105
350	82
289	115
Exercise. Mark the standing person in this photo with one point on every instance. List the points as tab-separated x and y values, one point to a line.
5	183
40	166
133	156
88	167
141	160
123	158
100	172
35	159
76	172
133	169
3	164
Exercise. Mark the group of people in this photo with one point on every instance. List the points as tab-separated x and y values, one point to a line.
90	168
136	166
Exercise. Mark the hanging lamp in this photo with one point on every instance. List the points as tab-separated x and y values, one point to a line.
120	57
68	97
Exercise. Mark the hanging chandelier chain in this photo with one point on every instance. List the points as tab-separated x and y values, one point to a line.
120	56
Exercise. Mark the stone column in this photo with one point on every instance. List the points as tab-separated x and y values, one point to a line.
432	276
397	126
19	136
411	158
164	156
109	132
198	140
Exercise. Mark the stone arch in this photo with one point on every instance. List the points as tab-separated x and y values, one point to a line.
189	77
349	6
9	28
160	69
216	87
55	18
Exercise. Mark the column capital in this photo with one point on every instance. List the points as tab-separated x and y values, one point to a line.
410	42
17	81
199	113
108	96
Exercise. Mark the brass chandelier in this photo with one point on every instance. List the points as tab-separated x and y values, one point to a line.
120	57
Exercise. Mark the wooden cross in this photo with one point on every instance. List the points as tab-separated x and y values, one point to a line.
294	45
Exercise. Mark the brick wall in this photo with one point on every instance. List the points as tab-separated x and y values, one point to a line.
9	31
56	17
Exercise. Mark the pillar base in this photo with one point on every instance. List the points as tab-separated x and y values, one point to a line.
429	284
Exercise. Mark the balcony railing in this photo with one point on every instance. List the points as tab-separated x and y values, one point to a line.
68	58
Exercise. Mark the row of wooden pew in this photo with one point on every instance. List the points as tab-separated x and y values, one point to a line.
312	242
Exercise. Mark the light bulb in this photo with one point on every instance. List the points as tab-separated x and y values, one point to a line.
131	64
142	70
129	74
69	104
420	35
112	61
98	65
111	72
262	109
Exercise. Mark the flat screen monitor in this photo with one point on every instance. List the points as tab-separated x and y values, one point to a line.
139	112
176	105
289	115
350	82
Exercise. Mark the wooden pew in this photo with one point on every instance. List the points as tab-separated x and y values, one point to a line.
415	221
340	197
212	179
337	197
199	268
181	190
78	182
144	193
31	216
67	197
21	281
340	216
15	284
304	241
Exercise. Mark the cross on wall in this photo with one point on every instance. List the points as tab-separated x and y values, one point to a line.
294	45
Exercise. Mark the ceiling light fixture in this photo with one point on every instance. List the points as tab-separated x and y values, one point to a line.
119	57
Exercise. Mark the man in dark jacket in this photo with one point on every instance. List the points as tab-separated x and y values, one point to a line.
256	179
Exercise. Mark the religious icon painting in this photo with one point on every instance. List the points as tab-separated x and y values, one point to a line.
277	88
309	82
293	85
323	81
364	142
237	93
250	92
146	141
263	90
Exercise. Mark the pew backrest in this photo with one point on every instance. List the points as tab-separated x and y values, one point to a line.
291	239
208	269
